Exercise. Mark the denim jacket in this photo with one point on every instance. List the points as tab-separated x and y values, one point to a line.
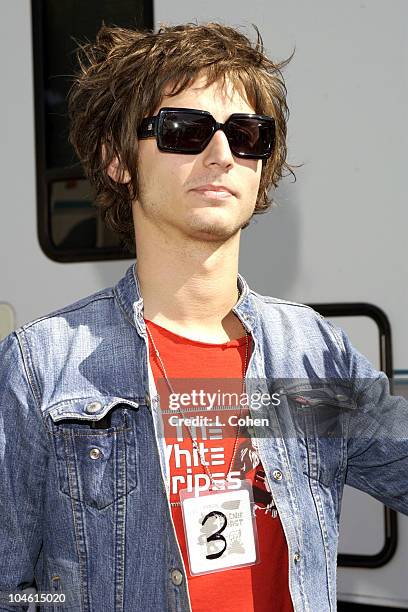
84	484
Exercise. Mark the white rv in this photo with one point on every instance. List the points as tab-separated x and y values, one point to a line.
336	236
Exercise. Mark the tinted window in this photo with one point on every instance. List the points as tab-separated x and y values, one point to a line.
68	224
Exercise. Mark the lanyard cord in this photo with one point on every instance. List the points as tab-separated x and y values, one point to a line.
195	445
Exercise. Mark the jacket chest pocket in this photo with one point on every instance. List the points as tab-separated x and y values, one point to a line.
320	418
95	449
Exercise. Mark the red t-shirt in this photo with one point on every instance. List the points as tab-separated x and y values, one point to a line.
189	365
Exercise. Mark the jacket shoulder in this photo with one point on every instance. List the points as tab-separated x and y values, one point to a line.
276	301
85	304
301	319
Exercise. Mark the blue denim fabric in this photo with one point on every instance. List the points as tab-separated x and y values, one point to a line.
85	510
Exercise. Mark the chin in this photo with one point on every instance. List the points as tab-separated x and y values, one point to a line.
214	223
214	231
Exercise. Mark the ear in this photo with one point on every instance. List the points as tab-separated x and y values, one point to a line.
114	169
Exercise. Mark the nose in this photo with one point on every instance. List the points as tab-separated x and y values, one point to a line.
218	151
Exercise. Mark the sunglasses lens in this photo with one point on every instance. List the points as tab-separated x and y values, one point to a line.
190	132
183	131
250	136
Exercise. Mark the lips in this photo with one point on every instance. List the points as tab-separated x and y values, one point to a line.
210	189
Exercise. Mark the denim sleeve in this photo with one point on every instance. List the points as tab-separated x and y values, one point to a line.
23	460
377	433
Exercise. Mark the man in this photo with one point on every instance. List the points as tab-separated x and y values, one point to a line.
113	496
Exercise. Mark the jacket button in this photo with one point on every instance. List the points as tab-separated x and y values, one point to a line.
95	453
93	407
176	577
277	474
296	557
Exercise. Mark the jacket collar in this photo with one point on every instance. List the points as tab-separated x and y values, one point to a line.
128	294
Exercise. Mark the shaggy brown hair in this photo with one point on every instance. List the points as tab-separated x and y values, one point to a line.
122	78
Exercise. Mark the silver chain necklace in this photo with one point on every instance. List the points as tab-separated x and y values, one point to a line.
195	444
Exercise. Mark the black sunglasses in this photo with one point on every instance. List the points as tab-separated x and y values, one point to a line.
187	130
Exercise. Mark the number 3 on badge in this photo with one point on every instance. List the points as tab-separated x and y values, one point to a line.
217	535
220	529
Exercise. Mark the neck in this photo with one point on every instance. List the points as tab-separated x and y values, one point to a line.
191	292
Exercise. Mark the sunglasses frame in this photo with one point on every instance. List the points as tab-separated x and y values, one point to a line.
151	127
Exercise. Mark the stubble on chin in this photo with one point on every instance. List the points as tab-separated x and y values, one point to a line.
216	230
